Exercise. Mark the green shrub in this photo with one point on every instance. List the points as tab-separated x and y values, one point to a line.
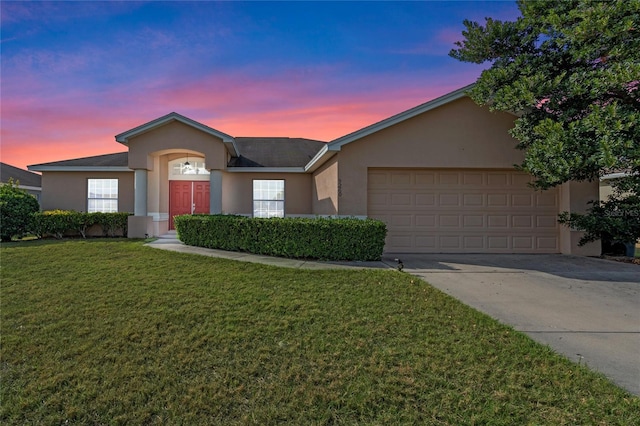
16	207
68	222
54	222
318	238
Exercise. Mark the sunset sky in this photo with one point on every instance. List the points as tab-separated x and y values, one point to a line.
75	74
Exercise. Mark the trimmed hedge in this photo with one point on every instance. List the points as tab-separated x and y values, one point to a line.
299	238
60	223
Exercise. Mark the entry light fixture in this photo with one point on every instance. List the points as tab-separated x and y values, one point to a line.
186	163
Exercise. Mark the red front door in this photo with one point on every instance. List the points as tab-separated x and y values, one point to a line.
187	197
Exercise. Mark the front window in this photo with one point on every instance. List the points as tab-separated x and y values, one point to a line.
102	195
268	198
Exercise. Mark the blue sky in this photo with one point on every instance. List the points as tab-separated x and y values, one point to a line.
74	74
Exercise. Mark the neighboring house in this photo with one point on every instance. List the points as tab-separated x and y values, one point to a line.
441	175
606	190
29	181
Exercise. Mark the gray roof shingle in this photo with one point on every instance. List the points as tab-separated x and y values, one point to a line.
108	160
25	177
275	151
254	152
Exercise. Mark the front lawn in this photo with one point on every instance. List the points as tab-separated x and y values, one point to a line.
112	332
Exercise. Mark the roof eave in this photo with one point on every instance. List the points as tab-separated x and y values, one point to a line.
228	140
45	168
320	158
266	169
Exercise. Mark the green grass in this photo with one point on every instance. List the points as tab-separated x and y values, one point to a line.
112	332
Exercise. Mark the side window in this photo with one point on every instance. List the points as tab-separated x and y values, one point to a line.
268	198
102	195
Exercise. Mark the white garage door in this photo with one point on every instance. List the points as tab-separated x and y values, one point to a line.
462	211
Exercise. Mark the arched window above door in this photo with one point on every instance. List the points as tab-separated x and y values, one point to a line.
187	167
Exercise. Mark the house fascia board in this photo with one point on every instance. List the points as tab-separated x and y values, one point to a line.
79	169
265	169
26	187
30	188
614	176
228	140
320	158
337	144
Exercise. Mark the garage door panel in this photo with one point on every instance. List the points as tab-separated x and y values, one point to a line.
498	179
428	199
474	243
450	242
522	200
546	222
497	243
473	200
425	242
473	178
425	178
402	220
425	220
401	241
543	200
519	221
463	211
449	200
498	221
473	221
378	199
402	200
497	200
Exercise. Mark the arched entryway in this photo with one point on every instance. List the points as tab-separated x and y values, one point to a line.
189	187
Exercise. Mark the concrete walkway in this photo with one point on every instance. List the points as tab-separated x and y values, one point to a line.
584	308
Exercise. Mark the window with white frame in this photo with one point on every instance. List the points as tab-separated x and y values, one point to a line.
102	195
268	198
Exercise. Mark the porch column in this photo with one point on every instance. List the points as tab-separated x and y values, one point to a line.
140	192
140	225
215	192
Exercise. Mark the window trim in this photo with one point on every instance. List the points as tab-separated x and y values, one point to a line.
103	198
278	201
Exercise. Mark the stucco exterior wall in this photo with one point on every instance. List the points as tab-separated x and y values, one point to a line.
325	188
68	190
176	136
574	197
458	135
237	192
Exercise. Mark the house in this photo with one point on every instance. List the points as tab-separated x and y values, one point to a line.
606	189
441	175
29	181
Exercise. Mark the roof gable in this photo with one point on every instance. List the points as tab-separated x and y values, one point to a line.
398	118
335	145
228	140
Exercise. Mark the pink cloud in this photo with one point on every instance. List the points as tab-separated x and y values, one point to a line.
297	103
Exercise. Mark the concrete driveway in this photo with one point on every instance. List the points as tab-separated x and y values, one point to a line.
584	308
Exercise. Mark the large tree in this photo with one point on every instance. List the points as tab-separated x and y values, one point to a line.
570	71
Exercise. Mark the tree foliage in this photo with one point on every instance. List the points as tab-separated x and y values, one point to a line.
570	71
16	207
